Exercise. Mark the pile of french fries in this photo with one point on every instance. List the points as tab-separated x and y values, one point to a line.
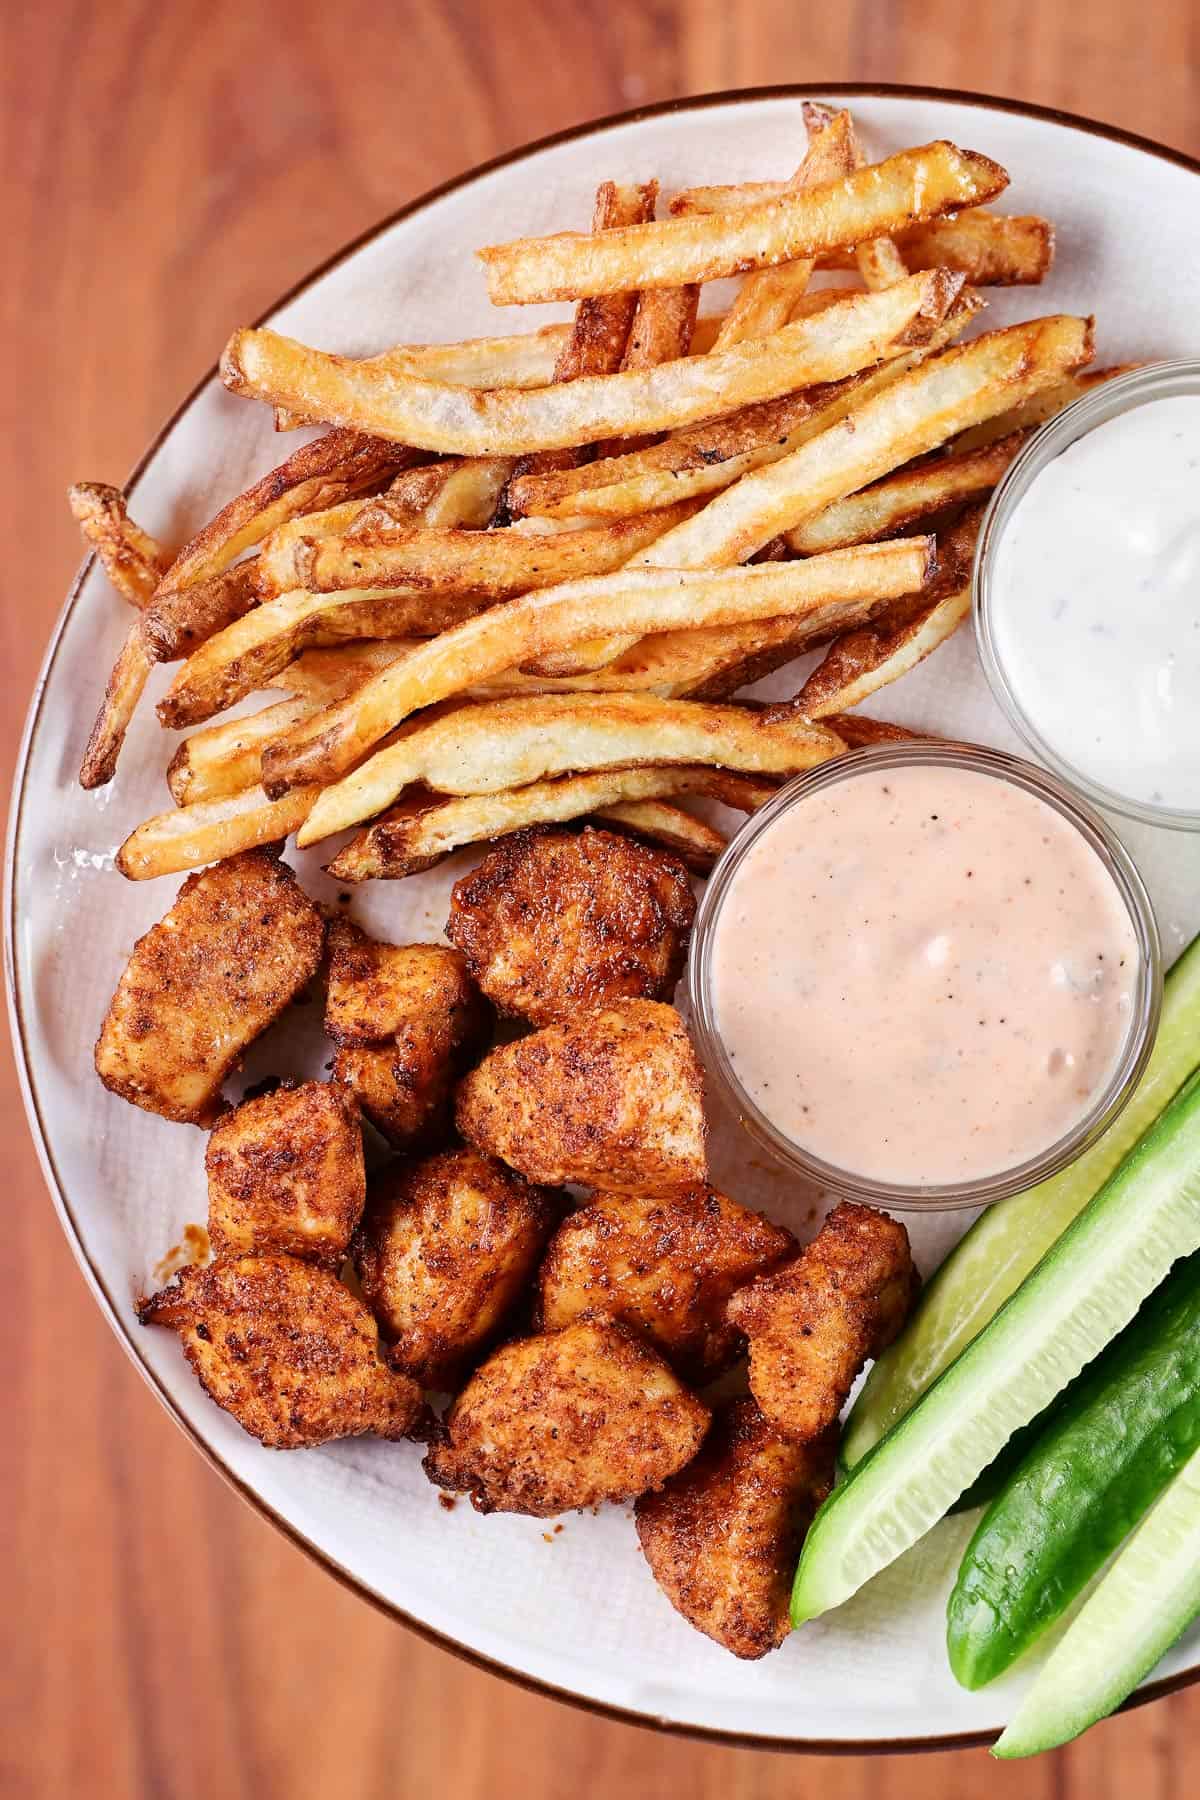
521	579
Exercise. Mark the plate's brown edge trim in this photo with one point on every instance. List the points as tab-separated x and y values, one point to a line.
114	1314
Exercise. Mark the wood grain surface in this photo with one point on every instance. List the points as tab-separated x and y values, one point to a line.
168	170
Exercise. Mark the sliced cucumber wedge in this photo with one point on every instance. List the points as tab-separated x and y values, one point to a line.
1010	1239
1146	1601
1081	1294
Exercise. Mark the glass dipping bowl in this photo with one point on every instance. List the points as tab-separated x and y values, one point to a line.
1154	381
1144	1011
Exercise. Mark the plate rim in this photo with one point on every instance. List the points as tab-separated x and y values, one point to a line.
110	1310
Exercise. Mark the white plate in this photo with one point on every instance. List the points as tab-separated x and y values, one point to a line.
580	1613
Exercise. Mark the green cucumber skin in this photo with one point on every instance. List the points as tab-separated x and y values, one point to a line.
1131	1422
1142	1221
946	1320
1142	1606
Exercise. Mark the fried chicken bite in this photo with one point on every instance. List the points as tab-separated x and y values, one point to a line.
445	1250
813	1323
238	945
554	923
722	1537
288	1351
665	1267
567	1420
612	1099
407	1021
285	1173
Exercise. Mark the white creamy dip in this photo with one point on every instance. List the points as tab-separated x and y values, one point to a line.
1095	604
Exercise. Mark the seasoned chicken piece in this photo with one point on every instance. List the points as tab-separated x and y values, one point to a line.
813	1324
611	1099
407	1020
665	1267
555	923
289	1351
723	1536
550	1423
285	1173
240	942
444	1252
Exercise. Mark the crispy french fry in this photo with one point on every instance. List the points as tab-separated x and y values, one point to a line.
845	586
133	560
421	830
856	331
462	491
505	743
902	499
860	732
318	475
663	326
767	296
916	185
1037	408
713	456
176	623
944	395
491	565
864	661
250	653
691	839
126	684
226	758
189	837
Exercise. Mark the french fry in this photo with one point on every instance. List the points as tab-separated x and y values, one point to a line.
505	743
864	661
691	839
421	830
324	675
189	837
226	758
462	491
839	340
842	587
491	565
176	623
904	498
990	249
251	652
860	732
904	190
1037	408
133	560
713	456
922	409
126	684
318	475
766	298
663	327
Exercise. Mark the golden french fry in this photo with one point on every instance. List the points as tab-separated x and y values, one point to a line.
189	837
226	758
902	499
505	743
318	475
251	652
492	565
916	185
856	331
766	298
825	591
931	403
864	661
126	684
691	839
133	560
421	830
1037	408
860	732
663	328
709	457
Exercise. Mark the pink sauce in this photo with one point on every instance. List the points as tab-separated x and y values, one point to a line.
923	974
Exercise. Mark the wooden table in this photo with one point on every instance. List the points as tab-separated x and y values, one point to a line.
169	170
